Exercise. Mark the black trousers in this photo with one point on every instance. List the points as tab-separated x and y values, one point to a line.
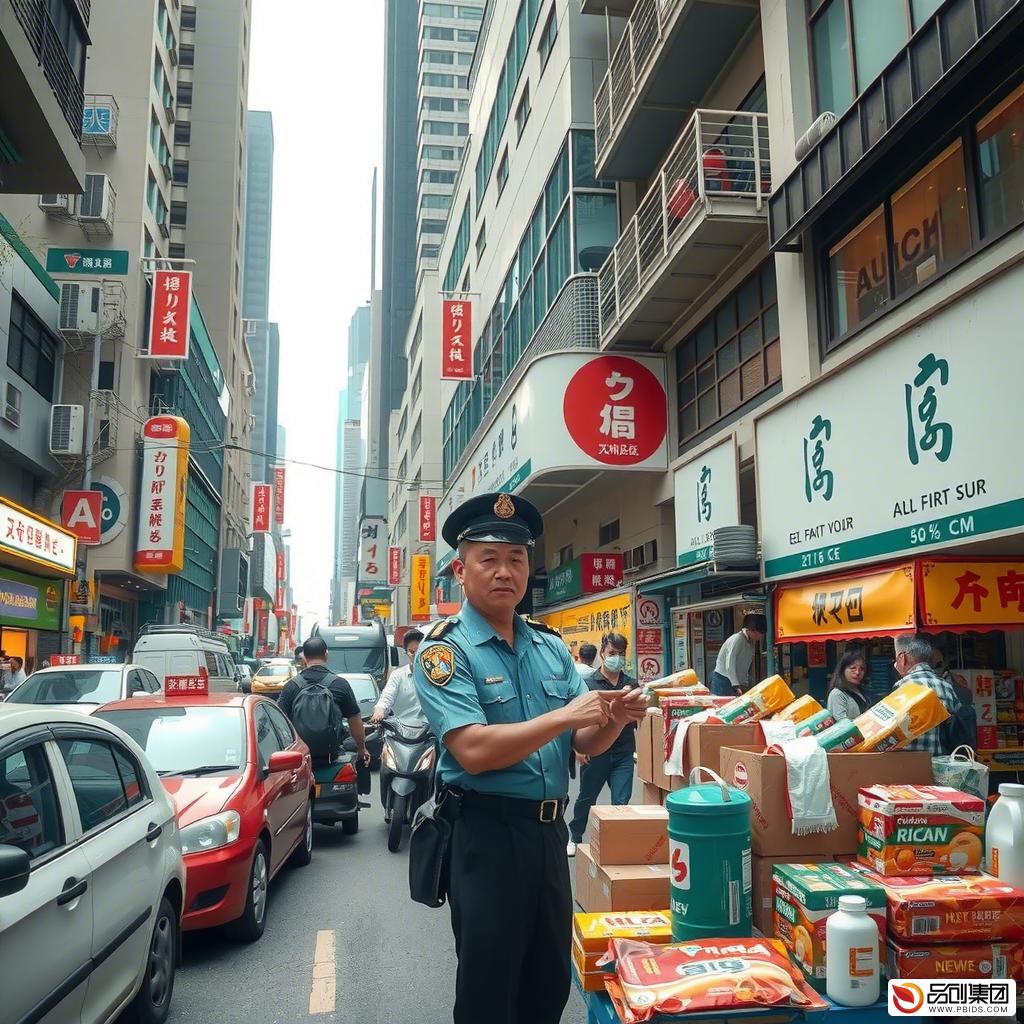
511	905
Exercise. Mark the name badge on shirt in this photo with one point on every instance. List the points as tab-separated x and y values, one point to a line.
493	680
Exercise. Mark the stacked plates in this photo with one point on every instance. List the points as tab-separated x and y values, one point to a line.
735	545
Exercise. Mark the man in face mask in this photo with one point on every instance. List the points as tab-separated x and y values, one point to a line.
615	766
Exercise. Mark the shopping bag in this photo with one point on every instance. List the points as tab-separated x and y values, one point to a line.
962	771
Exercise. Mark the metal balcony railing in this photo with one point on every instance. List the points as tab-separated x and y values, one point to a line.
52	57
720	157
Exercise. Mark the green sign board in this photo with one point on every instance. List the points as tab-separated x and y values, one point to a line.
29	602
564	582
87	262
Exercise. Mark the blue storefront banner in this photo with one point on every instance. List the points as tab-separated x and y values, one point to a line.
28	601
18	600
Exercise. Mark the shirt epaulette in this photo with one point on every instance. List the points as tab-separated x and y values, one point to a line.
541	627
442	628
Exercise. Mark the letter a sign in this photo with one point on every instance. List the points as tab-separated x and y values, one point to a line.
81	512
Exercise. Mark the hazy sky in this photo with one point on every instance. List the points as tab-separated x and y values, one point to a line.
318	67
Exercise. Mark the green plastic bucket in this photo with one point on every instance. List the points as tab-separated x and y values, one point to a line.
709	856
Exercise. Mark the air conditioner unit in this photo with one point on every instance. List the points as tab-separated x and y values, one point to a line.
66	429
173	54
12	406
58	204
169	111
97	202
79	308
165	229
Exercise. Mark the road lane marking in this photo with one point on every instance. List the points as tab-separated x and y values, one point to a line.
324	995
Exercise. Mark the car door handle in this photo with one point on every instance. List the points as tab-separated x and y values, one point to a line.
73	888
154	833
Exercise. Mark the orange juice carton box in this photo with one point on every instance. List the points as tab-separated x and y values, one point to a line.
801	708
960	960
770	695
951	908
806	895
920	830
908	712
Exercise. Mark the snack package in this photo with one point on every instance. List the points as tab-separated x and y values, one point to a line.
592	932
920	830
959	961
908	712
657	698
767	697
703	977
675	709
842	736
953	908
801	708
686	678
818	722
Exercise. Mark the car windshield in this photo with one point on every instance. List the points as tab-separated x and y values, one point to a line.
356	659
179	739
363	687
78	686
275	671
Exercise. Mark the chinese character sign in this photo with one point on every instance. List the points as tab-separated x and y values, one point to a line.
161	541
187	686
456	340
394	566
280	567
261	501
419	594
978	593
600	571
924	432
818	479
169	314
428	518
27	536
60	660
279	495
372	549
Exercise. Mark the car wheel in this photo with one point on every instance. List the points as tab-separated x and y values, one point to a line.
303	853
153	1002
249	927
397	822
350	826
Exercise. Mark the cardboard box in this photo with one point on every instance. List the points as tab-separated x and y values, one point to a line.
632	834
762	869
763	777
806	895
956	962
652	796
630	887
592	932
586	872
645	733
704	743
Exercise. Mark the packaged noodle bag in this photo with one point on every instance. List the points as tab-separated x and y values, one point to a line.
703	977
819	722
908	712
769	696
801	708
960	770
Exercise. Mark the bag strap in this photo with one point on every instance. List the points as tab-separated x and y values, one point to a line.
969	756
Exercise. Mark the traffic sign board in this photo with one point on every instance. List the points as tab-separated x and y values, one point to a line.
87	262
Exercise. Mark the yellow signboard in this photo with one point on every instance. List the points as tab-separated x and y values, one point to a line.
587	623
874	603
972	594
419	588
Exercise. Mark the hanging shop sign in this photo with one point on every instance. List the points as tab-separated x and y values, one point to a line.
29	602
588	622
428	518
841	483
34	542
419	596
169	314
161	542
456	340
279	474
394	566
279	565
82	514
261	502
372	532
591	573
971	594
87	262
113	508
879	602
707	497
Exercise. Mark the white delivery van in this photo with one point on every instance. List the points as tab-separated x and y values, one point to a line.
182	651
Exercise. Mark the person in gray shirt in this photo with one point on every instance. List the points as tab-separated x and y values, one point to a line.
732	674
846	698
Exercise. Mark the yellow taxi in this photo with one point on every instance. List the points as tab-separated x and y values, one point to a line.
271	677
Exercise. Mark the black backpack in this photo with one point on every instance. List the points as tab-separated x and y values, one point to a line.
316	717
961	728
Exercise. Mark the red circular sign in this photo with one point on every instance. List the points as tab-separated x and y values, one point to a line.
614	409
739	775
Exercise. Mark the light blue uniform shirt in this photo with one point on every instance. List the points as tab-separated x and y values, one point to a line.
479	679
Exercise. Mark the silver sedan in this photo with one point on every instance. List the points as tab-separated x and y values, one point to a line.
84	688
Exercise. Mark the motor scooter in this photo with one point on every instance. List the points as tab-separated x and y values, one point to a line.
340	784
407	765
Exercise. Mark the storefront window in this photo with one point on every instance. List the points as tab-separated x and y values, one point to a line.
931	225
858	274
1001	164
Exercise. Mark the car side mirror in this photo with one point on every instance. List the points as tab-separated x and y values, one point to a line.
15	867
284	761
394	657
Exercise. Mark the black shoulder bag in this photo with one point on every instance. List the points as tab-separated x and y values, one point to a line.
429	849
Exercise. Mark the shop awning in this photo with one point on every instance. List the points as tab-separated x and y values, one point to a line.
700	572
971	594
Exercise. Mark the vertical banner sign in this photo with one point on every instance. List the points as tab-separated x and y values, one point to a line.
81	512
161	543
420	592
261	508
247	617
428	518
371	554
169	314
281	575
456	340
394	566
279	495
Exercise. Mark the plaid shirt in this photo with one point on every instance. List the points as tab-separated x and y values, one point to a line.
921	673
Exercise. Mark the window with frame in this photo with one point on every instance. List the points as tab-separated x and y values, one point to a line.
608	533
188	19
185	94
187	55
565	555
180	173
435	202
100	791
31	348
733	357
547	37
1000	157
523	111
182	133
179	214
266	736
481	240
29	811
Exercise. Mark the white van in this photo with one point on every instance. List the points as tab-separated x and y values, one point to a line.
182	651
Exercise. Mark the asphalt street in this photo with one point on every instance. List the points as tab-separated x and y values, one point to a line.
343	943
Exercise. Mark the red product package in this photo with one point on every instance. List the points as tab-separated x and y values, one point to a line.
703	976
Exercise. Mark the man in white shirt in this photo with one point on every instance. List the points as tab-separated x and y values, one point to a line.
399	694
17	673
587	655
732	674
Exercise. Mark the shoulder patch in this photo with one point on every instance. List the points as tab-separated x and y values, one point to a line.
441	629
541	627
438	664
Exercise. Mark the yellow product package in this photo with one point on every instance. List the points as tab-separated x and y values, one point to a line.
801	708
908	712
684	679
770	695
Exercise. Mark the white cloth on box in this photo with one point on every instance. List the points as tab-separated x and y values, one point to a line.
777	732
674	761
808	785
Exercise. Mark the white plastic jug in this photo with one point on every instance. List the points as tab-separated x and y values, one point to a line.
852	954
1004	836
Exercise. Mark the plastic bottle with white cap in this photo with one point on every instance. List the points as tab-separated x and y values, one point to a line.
852	954
1004	836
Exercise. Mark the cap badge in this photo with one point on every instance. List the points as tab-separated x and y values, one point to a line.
504	508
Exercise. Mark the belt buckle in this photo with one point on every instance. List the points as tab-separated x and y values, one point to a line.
554	805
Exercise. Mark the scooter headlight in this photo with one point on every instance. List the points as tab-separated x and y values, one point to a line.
426	761
388	758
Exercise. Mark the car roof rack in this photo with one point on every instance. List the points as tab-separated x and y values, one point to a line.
184	627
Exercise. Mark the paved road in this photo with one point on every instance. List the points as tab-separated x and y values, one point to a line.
392	962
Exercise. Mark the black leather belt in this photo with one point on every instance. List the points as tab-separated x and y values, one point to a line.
545	811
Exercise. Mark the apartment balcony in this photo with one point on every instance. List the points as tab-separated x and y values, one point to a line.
707	204
616	8
670	53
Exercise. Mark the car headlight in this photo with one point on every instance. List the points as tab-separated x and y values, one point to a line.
425	763
211	833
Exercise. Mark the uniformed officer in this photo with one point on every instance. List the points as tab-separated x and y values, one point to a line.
506	699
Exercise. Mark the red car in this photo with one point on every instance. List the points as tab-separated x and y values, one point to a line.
242	784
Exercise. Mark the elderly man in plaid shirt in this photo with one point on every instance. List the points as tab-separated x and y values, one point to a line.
913	663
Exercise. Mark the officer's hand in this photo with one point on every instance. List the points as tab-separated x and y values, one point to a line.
590	709
627	705
582	759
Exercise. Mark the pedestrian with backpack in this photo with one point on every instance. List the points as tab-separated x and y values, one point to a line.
316	701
